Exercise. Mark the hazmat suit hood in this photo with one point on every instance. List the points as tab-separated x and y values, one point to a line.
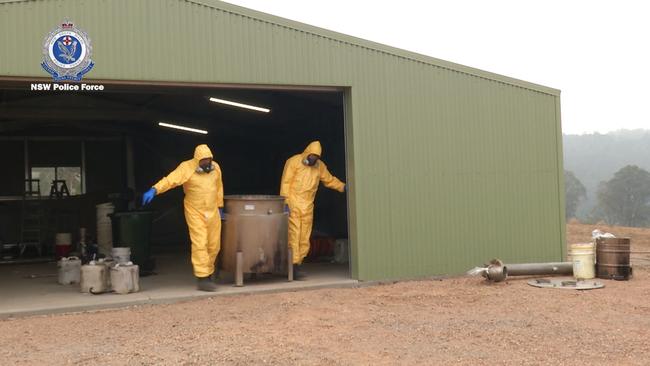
202	152
313	148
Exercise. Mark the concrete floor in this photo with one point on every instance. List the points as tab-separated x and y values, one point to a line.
32	289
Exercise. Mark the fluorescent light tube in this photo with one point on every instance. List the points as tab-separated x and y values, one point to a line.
189	129
240	105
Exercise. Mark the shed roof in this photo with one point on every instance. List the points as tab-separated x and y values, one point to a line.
359	42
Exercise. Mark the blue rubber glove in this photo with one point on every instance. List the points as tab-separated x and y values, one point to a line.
148	196
221	212
286	209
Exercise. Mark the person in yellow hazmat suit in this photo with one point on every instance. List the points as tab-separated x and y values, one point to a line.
201	181
300	179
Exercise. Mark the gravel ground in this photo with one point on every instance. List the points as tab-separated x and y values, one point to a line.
462	321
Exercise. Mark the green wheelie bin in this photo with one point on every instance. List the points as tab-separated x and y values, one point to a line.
133	229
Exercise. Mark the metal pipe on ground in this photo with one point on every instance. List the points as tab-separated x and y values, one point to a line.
497	271
540	269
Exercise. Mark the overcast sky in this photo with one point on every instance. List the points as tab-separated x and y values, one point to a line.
596	52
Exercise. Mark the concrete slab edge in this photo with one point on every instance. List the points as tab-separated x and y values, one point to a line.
8	315
45	311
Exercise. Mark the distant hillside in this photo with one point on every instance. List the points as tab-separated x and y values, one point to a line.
596	157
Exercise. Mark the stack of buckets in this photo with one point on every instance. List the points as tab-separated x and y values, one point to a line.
584	260
104	228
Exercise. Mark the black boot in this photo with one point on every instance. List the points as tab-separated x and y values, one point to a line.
215	277
298	273
205	284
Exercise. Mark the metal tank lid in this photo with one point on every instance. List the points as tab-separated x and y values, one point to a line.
254	197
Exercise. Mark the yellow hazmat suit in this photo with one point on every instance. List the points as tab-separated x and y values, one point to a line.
203	197
299	186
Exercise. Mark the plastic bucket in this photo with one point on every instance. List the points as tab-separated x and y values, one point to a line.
121	255
62	250
63	245
584	260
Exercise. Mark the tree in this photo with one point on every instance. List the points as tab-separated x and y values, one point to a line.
625	199
575	192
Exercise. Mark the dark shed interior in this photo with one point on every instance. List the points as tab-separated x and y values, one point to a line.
108	146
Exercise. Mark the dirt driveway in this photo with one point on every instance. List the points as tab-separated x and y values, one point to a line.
458	321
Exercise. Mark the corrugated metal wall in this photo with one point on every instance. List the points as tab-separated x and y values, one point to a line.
449	166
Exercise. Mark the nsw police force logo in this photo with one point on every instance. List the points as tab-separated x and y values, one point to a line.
66	53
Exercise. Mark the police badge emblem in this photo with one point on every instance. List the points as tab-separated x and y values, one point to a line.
66	53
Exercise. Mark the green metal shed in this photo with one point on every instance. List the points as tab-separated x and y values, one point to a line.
448	166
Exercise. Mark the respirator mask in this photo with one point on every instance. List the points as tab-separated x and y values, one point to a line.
310	160
207	168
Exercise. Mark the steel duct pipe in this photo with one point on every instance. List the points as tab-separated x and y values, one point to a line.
540	269
497	271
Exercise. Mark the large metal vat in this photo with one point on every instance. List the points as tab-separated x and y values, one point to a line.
613	258
254	233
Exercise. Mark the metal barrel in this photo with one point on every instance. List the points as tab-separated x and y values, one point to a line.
613	258
255	226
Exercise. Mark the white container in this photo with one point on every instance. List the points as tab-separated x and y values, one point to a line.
69	270
125	278
584	261
104	228
94	278
121	255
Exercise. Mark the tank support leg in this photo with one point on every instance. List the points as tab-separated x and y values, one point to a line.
290	264
239	270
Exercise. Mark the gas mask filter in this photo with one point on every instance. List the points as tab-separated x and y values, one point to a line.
204	169
310	161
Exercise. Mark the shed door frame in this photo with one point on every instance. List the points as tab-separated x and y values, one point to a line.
23	83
